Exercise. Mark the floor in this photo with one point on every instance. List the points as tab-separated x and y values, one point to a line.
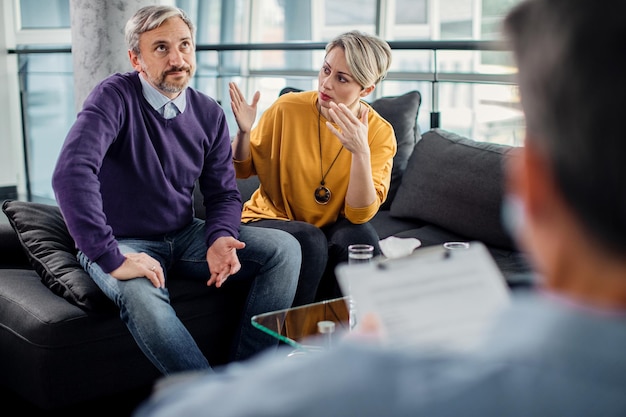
123	406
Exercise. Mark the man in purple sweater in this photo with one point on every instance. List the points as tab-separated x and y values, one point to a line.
124	182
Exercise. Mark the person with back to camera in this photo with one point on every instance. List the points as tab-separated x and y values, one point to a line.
124	182
557	350
323	159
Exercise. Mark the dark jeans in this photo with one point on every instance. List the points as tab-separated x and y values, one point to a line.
322	250
270	261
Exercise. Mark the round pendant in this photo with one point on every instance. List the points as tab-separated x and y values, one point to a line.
322	195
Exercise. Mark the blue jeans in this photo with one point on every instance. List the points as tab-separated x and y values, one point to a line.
322	250
271	260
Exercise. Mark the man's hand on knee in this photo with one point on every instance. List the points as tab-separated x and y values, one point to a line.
138	265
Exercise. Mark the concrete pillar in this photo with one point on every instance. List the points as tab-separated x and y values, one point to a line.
98	45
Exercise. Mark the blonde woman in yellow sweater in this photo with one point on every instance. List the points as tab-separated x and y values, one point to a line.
323	159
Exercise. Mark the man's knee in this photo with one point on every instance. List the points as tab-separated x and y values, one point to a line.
286	245
271	242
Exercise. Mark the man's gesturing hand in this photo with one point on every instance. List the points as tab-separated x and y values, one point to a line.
222	259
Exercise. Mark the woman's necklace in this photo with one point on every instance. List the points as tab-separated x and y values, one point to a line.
322	194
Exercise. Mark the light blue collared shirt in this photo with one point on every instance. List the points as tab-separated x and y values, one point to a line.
159	101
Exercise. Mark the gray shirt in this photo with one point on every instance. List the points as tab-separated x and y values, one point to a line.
545	357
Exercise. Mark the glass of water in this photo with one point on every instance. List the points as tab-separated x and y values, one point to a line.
360	253
357	254
456	245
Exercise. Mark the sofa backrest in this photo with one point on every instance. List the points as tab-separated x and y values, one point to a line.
456	183
246	188
401	112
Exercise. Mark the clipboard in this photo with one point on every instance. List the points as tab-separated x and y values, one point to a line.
434	299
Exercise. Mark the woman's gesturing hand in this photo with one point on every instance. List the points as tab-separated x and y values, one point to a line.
245	113
352	130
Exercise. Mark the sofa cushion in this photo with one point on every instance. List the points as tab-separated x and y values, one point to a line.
514	265
386	225
455	183
401	111
52	253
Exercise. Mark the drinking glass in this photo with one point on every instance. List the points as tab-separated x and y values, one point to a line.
360	253
456	245
357	254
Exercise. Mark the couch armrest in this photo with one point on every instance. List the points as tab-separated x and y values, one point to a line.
11	253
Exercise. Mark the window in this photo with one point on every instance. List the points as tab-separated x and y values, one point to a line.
473	94
411	12
349	13
49	14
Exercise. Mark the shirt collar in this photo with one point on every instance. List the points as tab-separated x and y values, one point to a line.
157	100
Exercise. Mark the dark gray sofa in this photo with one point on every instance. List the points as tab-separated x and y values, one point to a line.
451	189
62	346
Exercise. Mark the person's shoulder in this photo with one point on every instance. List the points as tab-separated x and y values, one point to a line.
129	79
199	98
122	82
116	90
293	103
376	122
297	98
373	116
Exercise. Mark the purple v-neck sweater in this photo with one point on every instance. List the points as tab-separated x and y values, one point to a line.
126	171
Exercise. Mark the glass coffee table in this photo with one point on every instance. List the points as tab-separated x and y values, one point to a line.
298	326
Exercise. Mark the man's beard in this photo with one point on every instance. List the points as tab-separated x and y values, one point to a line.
169	87
162	84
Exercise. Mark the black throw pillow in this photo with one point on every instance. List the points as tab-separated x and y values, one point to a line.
456	183
52	253
401	112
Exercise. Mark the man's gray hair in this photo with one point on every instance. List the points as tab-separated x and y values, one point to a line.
571	56
149	18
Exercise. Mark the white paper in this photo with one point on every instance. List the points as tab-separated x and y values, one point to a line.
435	299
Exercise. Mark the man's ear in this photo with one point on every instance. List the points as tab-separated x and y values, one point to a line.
134	60
514	172
535	183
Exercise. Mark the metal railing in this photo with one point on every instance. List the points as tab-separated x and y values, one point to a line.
434	77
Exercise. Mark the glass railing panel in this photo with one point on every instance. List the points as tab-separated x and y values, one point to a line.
48	105
475	94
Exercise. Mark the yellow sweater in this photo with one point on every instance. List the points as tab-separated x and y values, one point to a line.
285	154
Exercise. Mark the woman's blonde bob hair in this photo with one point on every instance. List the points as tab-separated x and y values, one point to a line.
368	57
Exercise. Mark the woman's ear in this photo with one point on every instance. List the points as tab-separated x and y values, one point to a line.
366	91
